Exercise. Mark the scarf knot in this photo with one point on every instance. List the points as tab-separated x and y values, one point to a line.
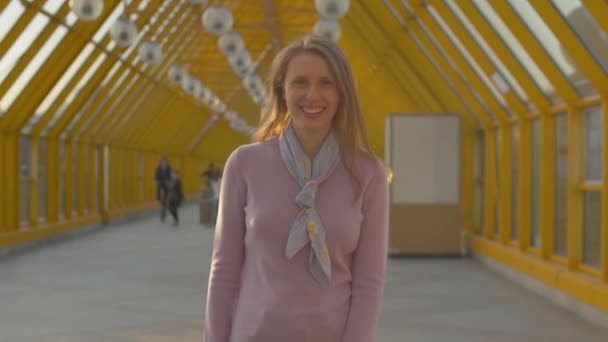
307	226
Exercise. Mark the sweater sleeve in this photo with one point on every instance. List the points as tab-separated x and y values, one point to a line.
228	254
369	262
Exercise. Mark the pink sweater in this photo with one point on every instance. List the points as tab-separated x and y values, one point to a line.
256	294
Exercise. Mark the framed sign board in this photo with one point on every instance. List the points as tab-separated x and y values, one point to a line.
423	152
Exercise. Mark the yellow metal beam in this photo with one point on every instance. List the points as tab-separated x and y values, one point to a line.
505	55
540	56
140	115
16	30
115	107
30	53
367	15
464	93
111	57
11	180
54	67
476	52
599	10
571	43
461	63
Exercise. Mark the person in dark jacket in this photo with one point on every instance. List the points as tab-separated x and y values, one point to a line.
162	177
175	195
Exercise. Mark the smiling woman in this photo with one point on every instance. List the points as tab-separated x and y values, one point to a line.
302	232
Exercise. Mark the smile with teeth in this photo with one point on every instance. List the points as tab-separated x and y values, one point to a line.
312	110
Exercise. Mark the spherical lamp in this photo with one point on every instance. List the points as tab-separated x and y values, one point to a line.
150	52
231	43
332	8
123	31
328	29
87	10
217	20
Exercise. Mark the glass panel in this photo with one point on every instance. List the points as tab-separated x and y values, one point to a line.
593	143
535	185
24	201
105	28
489	52
24	179
42	172
76	91
59	86
444	54
518	50
585	27
52	6
552	45
561	184
465	53
21	45
515	182
592	236
9	16
32	68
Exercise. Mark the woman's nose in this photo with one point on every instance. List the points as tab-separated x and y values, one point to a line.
312	92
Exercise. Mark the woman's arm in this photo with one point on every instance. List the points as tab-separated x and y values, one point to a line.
228	254
369	261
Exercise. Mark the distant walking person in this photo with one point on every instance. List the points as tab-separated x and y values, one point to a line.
162	176
175	195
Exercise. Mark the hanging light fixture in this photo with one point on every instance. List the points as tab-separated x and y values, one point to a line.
191	84
123	31
231	43
150	52
252	83
241	62
328	29
87	10
332	8
217	20
177	73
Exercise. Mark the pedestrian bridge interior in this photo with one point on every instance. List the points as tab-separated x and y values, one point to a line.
93	93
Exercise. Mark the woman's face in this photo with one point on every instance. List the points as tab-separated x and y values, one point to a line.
311	93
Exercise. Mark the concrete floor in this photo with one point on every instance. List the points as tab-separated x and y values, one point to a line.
146	281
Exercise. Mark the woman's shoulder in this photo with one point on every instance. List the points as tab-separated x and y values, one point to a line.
370	165
251	153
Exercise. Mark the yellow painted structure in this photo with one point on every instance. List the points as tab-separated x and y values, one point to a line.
535	116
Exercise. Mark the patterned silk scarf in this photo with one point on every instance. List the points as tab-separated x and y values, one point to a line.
307	226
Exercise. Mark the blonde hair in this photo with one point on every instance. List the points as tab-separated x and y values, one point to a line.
348	123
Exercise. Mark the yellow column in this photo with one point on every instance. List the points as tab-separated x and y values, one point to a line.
11	181
574	228
547	184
